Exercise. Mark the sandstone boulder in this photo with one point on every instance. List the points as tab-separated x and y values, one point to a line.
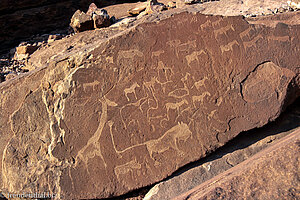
101	18
182	3
138	9
104	116
294	4
81	22
23	51
26	49
92	9
171	4
93	18
52	38
271	174
154	6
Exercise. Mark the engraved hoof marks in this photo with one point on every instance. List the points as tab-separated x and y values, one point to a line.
264	82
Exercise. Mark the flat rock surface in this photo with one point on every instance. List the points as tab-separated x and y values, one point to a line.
221	7
271	174
241	7
233	153
105	114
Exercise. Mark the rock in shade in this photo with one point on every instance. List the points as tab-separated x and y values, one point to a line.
233	153
24	51
101	18
81	22
271	174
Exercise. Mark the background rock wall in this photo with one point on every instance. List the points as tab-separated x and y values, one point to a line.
23	18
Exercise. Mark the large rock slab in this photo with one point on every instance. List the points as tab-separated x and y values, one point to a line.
233	153
106	116
271	174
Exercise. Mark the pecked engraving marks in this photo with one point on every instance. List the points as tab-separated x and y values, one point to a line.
265	82
92	148
169	140
126	168
130	90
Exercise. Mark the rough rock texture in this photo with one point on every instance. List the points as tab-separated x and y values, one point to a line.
101	19
271	174
107	115
233	153
244	7
81	21
154	6
295	4
138	9
93	18
24	18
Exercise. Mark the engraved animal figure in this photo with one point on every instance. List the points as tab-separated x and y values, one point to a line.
200	98
126	168
92	148
175	106
131	90
194	56
229	46
223	30
200	83
180	132
169	139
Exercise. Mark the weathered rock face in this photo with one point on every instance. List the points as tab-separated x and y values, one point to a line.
271	174
81	22
236	151
123	113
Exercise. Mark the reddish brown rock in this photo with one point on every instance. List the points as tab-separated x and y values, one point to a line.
138	9
233	153
52	38
171	4
24	51
104	116
154	6
101	18
271	174
94	18
92	9
81	22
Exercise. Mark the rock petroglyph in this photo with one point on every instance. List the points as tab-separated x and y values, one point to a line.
131	109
